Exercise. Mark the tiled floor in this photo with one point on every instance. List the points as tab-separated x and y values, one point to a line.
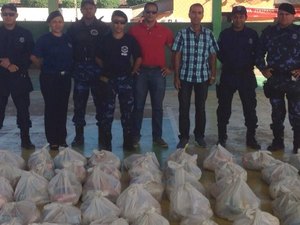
9	136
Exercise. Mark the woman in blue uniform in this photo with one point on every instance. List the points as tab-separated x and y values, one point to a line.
53	54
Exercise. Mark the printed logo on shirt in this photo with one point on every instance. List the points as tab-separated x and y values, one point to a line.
250	41
94	32
124	50
21	39
294	36
70	45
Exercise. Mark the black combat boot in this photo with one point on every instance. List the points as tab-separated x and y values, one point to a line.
251	141
296	141
79	138
222	135
25	140
104	140
128	143
277	143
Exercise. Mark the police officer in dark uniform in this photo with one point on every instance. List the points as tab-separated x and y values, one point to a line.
16	44
85	33
280	44
116	53
53	54
237	54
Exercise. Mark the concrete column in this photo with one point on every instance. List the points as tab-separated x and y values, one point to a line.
217	17
52	5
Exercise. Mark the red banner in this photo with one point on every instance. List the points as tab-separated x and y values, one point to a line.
264	14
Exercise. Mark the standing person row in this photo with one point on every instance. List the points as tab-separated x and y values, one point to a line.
53	55
85	34
16	44
115	53
279	61
195	68
151	77
237	54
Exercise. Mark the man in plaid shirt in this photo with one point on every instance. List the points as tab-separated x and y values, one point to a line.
195	67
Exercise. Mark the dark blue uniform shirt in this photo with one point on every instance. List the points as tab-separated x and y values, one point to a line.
55	51
282	46
237	49
117	54
17	45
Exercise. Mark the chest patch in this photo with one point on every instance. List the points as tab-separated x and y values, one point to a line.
94	32
21	39
124	50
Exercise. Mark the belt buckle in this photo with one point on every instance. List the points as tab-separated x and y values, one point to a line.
62	73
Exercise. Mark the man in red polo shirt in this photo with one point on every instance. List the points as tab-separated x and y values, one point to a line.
152	38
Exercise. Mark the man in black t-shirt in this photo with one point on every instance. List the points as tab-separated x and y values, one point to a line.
115	54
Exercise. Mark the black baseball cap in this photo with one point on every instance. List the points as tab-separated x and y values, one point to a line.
10	6
84	2
239	9
287	8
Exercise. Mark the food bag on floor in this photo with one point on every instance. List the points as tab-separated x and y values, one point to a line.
134	159
12	159
196	220
293	218
257	160
67	155
13	221
61	213
11	173
256	216
151	217
235	199
218	154
229	168
24	211
77	167
6	192
277	188
104	156
96	206
64	187
134	201
42	163
32	186
110	169
110	221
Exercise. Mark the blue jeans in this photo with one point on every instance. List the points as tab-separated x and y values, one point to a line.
149	79
184	97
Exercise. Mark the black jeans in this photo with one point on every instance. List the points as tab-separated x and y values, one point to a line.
184	97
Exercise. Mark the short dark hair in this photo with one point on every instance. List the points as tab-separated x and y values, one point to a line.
54	14
150	3
120	14
84	2
197	5
10	6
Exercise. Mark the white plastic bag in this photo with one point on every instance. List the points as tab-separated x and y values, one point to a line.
24	211
295	160
229	168
98	180
218	154
110	169
41	163
61	213
257	160
284	185
197	220
64	187
235	199
256	217
12	159
77	167
104	156
66	155
110	221
134	201
278	171
96	206
6	191
134	159
32	186
151	217
11	173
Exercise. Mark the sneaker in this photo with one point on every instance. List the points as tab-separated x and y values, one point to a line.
201	142
183	143
160	142
252	143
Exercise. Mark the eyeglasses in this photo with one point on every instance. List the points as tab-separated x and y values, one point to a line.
8	14
151	12
119	22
